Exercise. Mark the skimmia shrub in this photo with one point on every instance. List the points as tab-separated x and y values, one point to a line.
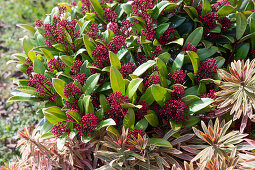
143	71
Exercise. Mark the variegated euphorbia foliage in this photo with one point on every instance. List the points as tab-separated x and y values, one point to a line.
238	91
147	66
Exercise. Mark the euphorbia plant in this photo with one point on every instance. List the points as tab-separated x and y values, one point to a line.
139	64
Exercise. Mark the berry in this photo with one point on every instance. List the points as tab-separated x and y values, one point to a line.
59	129
87	125
127	69
135	133
178	92
140	113
179	77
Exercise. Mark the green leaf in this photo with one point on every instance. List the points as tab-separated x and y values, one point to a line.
47	135
194	60
159	142
191	90
86	101
252	28
161	6
130	105
99	10
179	41
206	7
142	124
201	89
54	114
27	89
193	120
61	141
27	28
161	29
76	116
113	130
88	44
32	55
117	81
147	96
145	66
242	51
165	57
220	61
178	62
114	60
86	139
84	27
176	126
162	67
127	7
73	133
38	67
225	10
199	104
195	37
133	86
190	99
60	47
160	94
23	98
47	54
152	118
205	53
104	123
103	102
90	84
129	119
27	44
192	12
241	24
59	86
249	36
68	60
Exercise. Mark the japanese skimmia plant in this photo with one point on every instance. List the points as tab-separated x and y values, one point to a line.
130	78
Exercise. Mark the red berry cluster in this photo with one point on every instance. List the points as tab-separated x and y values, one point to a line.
57	33
135	133
86	5
140	113
61	9
94	31
207	69
141	58
76	67
110	15
178	92
30	66
174	110
101	55
38	23
55	65
190	47
225	24
115	100
179	77
210	95
43	87
60	128
154	79
218	5
73	94
168	36
87	125
80	78
118	43
125	27
127	69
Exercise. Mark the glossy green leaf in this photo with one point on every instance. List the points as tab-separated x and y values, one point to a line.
243	50
90	84
145	66
194	60
98	8
86	139
199	104
23	98
114	60
160	94
47	54
178	62
27	44
241	24
195	37
117	81
104	123
220	61
129	119
61	141
206	7
88	44
190	99
192	12
86	102
142	124
147	96
162	67
224	11
161	6
38	67
68	60
27	28
161	29
59	86
27	89
54	114
133	86
76	116
159	142
152	118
